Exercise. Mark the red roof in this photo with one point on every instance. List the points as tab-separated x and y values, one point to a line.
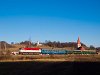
82	48
31	48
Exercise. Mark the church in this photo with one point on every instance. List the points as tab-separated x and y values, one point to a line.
79	46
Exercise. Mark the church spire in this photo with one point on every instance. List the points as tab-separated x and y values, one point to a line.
78	42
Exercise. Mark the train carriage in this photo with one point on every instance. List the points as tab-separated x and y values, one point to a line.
30	51
53	51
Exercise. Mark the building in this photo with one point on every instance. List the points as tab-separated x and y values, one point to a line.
38	43
78	43
79	46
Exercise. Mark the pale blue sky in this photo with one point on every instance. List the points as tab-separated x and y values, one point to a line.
55	20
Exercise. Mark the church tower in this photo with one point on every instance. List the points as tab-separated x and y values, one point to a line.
78	43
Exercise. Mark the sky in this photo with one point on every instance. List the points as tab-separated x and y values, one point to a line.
55	20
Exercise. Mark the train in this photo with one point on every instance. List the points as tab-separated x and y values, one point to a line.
30	51
41	51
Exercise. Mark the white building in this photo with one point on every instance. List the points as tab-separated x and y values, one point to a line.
38	43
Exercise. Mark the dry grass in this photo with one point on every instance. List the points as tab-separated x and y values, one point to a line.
80	58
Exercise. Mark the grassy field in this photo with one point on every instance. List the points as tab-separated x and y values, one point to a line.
54	58
50	65
49	68
35	68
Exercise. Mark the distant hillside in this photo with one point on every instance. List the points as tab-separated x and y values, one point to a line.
46	44
4	45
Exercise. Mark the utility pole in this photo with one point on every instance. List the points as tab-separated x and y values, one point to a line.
0	45
5	46
30	42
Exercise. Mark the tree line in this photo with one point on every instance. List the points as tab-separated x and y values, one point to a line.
53	44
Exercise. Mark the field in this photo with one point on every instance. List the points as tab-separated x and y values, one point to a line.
49	68
70	58
35	68
50	65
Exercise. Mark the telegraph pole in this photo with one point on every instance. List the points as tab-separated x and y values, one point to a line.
0	45
5	46
30	42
